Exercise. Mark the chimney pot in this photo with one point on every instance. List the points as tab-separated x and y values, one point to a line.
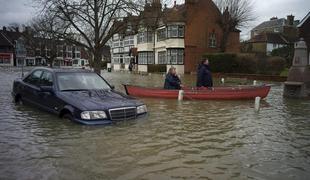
273	18
290	20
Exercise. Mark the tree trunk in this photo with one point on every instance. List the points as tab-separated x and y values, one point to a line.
97	61
224	41
50	61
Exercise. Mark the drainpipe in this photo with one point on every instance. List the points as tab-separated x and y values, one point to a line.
154	46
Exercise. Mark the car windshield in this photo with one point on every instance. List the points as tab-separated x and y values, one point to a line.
80	81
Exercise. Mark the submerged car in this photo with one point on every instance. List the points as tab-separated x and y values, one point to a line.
76	94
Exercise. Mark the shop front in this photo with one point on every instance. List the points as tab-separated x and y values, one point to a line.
6	59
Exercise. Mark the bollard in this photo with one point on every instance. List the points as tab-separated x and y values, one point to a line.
257	104
109	66
181	95
254	82
223	81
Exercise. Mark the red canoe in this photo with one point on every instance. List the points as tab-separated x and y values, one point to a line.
216	93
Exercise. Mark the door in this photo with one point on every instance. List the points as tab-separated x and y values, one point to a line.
49	100
32	88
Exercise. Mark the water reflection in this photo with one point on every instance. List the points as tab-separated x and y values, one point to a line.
178	140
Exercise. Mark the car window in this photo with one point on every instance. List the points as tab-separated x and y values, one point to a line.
34	78
46	79
77	81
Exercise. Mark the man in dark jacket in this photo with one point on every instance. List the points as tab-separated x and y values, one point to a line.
204	76
172	81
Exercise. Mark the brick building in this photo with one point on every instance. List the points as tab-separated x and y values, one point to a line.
8	40
177	36
15	51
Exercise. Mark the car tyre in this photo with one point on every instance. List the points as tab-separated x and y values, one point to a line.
68	117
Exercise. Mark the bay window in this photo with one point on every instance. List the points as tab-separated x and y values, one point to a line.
161	34
175	56
175	31
146	57
162	57
145	37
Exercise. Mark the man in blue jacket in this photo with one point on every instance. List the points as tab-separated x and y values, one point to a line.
172	81
204	76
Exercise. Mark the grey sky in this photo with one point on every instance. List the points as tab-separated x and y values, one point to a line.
22	11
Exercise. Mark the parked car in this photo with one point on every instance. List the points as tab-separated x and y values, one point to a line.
76	94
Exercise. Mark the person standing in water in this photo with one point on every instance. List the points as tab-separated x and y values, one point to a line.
204	76
172	81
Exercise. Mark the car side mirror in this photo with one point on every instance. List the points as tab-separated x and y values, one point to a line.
49	89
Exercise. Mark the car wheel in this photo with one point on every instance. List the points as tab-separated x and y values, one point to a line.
68	117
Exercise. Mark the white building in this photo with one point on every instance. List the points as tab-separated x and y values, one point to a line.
157	38
121	46
164	47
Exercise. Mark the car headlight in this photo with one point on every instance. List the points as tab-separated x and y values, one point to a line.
91	115
141	109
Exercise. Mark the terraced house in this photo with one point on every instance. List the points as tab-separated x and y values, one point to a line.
176	36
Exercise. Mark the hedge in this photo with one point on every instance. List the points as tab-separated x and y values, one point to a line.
153	68
245	63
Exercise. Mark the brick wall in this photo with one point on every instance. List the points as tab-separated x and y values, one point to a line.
202	18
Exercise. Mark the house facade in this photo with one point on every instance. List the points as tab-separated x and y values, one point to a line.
266	42
15	51
177	36
121	46
273	34
7	46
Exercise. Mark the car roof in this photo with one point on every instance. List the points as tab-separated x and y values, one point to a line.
63	70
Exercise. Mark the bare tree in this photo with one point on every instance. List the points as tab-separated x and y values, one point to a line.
45	34
236	14
91	23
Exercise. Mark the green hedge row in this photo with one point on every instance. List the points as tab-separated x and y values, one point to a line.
245	63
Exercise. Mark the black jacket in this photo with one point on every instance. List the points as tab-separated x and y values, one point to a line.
172	82
204	76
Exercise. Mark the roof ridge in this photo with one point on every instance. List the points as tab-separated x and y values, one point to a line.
304	20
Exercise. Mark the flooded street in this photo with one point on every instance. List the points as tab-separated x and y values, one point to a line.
178	140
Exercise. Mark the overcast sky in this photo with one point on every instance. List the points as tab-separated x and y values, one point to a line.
22	11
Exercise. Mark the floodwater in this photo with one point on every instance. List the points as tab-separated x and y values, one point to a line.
178	140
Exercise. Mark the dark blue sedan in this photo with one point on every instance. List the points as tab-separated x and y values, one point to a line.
78	95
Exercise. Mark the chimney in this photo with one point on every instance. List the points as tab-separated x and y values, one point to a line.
273	18
175	3
290	20
4	28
